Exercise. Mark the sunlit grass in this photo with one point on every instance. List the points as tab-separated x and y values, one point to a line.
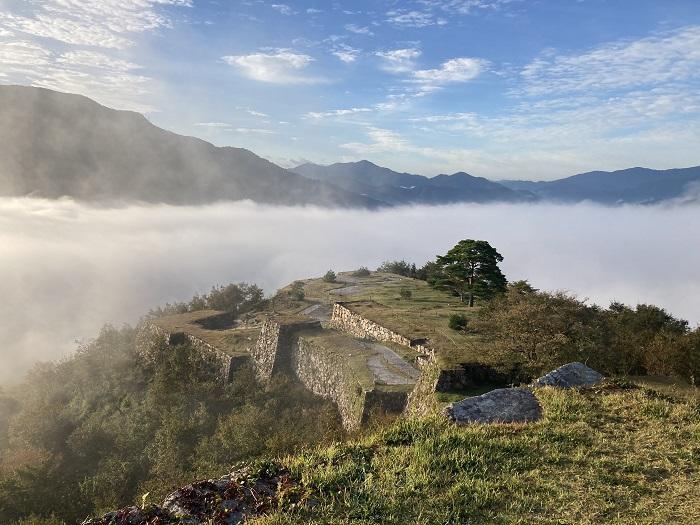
615	454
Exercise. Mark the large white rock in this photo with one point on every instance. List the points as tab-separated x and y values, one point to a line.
569	376
504	405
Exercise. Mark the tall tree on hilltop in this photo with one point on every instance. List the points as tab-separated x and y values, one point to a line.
470	270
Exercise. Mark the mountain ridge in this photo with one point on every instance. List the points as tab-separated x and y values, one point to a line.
64	145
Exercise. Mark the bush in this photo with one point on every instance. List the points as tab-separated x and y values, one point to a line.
296	292
458	322
405	293
329	277
362	271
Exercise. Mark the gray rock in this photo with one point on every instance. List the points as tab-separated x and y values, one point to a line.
504	405
569	376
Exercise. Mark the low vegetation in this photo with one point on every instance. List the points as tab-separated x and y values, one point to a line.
237	299
584	463
100	429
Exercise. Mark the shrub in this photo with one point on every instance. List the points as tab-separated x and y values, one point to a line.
458	322
362	271
329	277
297	291
405	293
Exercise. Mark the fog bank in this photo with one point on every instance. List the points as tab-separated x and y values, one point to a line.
68	268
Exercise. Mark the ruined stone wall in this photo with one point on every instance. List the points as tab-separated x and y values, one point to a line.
272	354
345	319
330	377
265	350
222	364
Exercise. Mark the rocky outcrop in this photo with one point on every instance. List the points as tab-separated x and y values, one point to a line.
504	405
230	500
345	319
569	376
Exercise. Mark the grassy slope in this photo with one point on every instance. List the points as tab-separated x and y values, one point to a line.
613	454
424	315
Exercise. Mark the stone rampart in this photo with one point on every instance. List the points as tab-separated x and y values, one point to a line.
345	319
272	353
223	364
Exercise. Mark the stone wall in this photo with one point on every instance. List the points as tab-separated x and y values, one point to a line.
273	351
329	377
345	319
222	364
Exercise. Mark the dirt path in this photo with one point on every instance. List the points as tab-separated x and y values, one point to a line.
388	367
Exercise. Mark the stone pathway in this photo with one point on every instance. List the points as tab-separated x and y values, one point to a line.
388	367
319	312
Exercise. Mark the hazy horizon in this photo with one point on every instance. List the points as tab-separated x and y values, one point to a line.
69	268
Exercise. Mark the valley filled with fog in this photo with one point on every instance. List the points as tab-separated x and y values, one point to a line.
68	268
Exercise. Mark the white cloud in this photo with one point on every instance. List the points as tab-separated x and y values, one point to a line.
283	9
100	23
454	70
256	131
280	66
14	55
669	57
399	60
336	113
213	124
415	19
465	7
346	53
358	30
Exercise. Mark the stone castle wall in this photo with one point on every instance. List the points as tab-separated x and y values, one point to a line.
347	320
330	378
222	364
283	349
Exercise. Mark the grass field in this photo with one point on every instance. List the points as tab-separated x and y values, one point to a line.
233	341
615	454
424	315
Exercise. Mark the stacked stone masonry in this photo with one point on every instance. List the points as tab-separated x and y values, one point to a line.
224	364
346	320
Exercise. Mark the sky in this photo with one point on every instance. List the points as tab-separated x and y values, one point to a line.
505	89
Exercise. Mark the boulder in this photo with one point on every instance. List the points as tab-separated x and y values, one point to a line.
504	405
569	376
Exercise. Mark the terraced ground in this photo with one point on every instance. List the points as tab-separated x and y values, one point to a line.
424	315
233	339
409	307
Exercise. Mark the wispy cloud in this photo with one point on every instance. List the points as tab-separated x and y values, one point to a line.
358	30
454	70
345	53
280	66
399	60
336	113
404	18
47	46
99	23
283	9
668	57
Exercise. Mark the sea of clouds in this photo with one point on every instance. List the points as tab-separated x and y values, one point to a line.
68	268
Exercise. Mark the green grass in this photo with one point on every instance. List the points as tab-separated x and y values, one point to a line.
425	315
233	341
615	454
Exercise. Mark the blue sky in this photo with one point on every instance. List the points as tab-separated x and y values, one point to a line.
497	88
